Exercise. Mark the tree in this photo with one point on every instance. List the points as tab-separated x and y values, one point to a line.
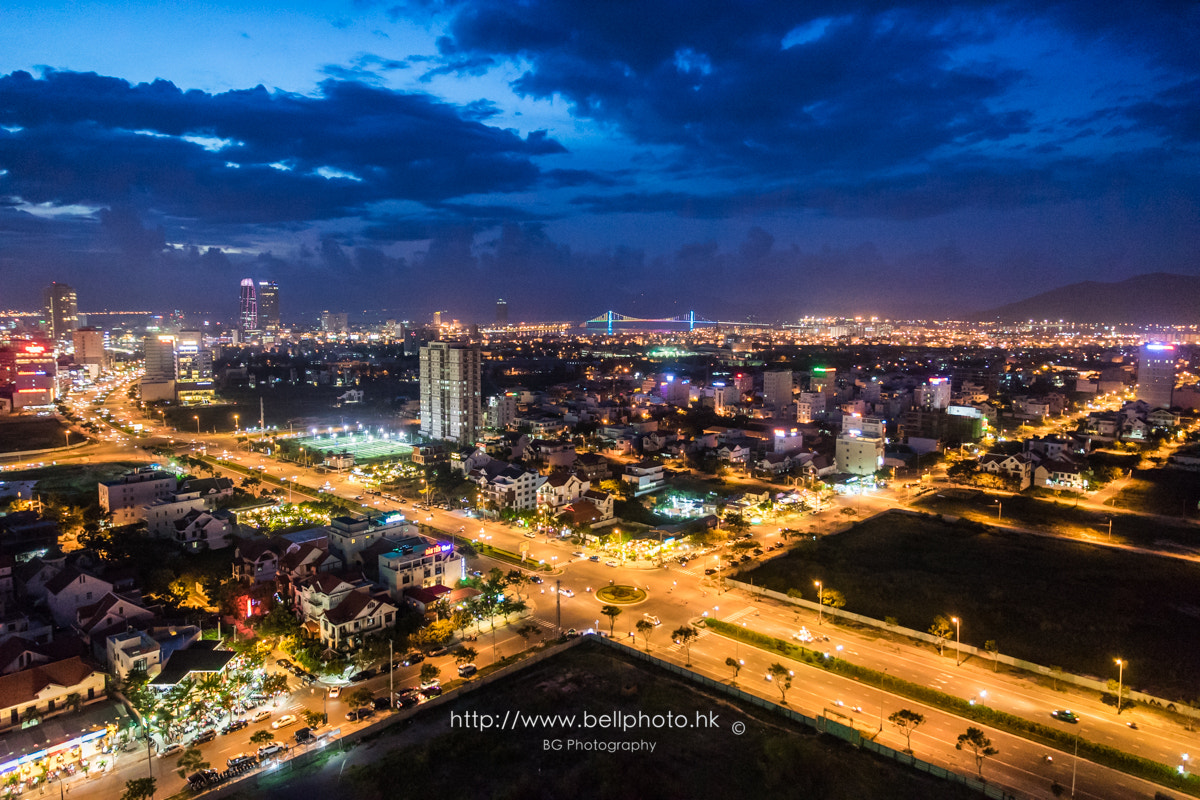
907	721
783	679
734	665
993	648
940	629
264	736
979	745
736	524
139	789
360	697
465	655
191	760
429	672
645	627
685	635
832	598
314	719
274	683
612	612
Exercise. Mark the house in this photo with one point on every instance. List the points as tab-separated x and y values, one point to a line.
424	598
256	560
603	501
644	478
505	485
1059	474
733	453
417	561
559	489
161	515
305	559
126	496
110	614
71	590
592	467
553	453
204	530
359	614
315	595
211	490
1017	466
775	463
48	689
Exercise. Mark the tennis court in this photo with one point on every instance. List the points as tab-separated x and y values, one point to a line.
363	446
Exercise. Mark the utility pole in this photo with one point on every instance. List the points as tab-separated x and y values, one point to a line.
558	605
391	672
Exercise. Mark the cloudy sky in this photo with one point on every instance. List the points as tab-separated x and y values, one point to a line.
772	159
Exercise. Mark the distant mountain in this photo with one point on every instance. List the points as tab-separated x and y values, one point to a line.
1155	298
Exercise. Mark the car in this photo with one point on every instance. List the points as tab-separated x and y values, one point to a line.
406	699
170	750
284	721
567	592
467	670
530	535
535	579
366	674
579	554
1063	715
359	714
745	557
652	619
259	716
710	571
335	692
234	725
758	551
594	558
683	562
431	691
610	563
572	633
381	704
413	658
268	750
204	736
283	662
203	778
429	684
240	760
303	735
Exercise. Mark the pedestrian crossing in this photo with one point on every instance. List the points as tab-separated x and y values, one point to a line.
735	616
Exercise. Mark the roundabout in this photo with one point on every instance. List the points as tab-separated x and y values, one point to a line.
620	595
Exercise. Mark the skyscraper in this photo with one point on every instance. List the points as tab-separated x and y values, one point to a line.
1156	374
89	347
158	380
61	310
268	305
501	311
451	404
248	314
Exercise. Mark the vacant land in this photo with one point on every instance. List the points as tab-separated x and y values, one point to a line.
72	484
1045	600
429	758
1062	516
32	433
1169	492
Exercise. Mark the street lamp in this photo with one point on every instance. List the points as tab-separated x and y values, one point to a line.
236	427
1182	768
820	602
999	510
957	641
1121	683
197	418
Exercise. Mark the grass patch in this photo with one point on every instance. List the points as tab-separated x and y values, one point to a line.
72	483
33	433
1169	492
1049	601
1035	731
620	595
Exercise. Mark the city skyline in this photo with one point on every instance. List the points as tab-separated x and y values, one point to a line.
894	159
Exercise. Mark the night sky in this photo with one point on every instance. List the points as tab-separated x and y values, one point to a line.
739	158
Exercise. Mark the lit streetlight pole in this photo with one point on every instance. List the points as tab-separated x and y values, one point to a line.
1120	682
236	426
197	418
957	641
999	510
820	602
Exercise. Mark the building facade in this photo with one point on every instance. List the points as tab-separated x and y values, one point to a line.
1156	374
62	313
450	392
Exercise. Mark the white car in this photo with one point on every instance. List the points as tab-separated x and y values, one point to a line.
284	721
566	592
259	716
653	620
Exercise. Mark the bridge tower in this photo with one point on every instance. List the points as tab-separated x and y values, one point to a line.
610	317
691	319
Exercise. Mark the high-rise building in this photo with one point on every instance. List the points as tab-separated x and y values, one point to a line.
334	322
934	393
193	368
501	311
777	389
61	310
89	347
158	380
248	312
268	305
451	405
1156	374
35	374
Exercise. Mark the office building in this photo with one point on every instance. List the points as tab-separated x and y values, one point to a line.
451	406
248	310
268	305
193	369
777	389
502	312
89	347
333	322
61	311
158	380
1156	374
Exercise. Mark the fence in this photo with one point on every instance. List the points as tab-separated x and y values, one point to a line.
1028	666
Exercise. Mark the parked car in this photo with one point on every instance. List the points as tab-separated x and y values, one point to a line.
357	714
203	778
407	699
240	760
303	735
284	721
170	750
381	703
283	662
365	674
268	750
467	670
431	691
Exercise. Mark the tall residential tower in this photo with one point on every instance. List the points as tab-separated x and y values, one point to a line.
1156	374
61	310
451	404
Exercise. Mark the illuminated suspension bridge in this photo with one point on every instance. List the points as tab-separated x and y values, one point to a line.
611	321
